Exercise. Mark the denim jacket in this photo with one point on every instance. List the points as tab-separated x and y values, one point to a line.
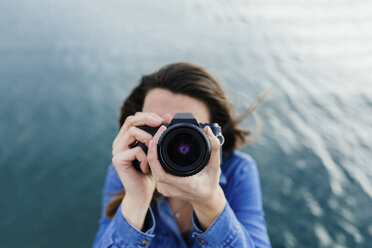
240	224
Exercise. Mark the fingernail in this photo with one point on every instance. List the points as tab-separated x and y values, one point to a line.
208	130
163	127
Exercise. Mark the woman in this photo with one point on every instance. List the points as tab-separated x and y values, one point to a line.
220	206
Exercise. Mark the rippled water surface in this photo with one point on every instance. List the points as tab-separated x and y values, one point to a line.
66	66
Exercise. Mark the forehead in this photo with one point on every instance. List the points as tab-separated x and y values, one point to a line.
162	101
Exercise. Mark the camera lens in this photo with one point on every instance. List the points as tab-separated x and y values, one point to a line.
184	150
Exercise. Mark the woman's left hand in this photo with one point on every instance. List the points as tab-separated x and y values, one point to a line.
202	190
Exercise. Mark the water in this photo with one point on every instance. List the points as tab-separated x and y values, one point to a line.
66	66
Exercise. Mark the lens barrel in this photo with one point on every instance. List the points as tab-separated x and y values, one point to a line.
184	149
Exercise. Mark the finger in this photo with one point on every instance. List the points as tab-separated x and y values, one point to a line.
158	134
158	172
141	156
143	118
152	156
144	167
123	160
214	160
149	119
133	134
167	117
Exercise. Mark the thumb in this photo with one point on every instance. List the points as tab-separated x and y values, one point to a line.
215	147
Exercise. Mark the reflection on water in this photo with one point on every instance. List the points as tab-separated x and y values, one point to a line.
65	68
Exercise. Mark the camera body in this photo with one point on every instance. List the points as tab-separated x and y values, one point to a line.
184	148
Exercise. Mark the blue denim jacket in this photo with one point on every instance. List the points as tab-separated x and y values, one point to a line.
240	224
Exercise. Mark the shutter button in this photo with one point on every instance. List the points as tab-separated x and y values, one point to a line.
144	243
201	241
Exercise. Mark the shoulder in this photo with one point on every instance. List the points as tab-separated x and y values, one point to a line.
239	162
239	170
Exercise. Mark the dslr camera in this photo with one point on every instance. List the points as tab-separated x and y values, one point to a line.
184	148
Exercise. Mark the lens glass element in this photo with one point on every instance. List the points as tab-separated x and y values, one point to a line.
184	148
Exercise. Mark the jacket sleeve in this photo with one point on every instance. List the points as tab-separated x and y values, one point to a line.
241	223
118	232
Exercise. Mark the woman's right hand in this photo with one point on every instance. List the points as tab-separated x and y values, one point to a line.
139	186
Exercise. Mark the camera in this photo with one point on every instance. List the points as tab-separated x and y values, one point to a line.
184	148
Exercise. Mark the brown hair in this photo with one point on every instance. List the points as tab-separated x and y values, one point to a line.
194	81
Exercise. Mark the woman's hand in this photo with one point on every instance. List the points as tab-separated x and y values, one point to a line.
201	190
139	186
